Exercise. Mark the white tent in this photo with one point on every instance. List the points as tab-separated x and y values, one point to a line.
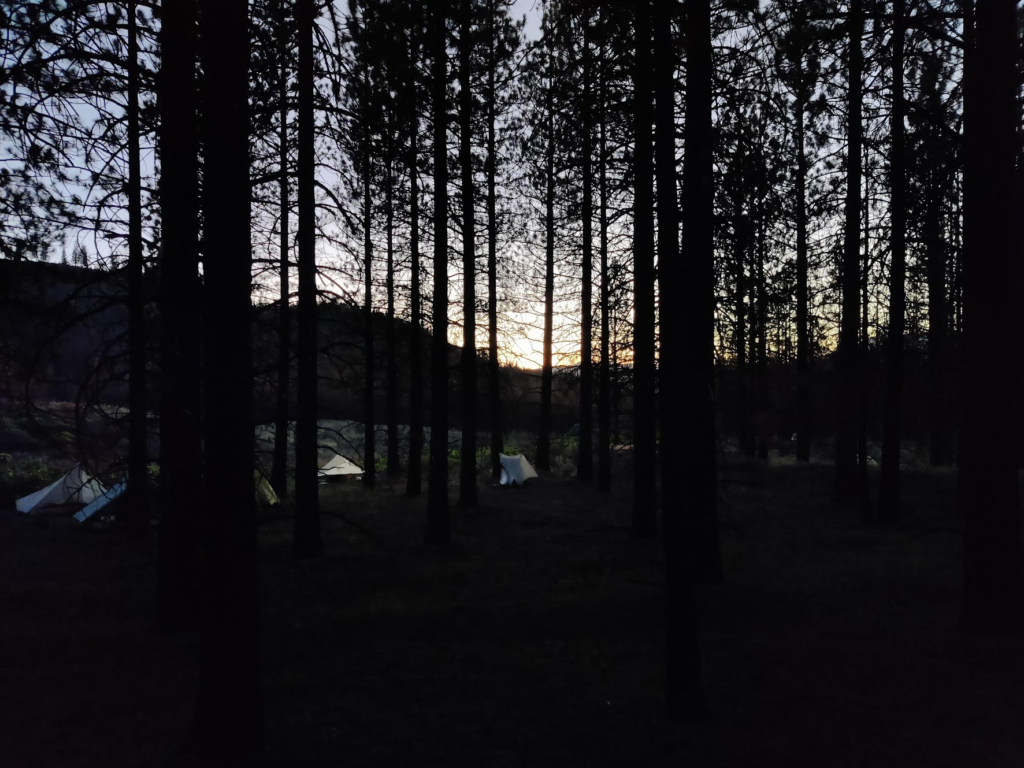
339	467
76	487
515	470
101	501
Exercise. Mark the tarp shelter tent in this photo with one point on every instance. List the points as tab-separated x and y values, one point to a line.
101	501
76	487
515	470
264	492
338	468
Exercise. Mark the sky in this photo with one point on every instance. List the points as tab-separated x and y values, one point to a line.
530	9
527	348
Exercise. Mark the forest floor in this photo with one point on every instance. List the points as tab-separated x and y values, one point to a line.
534	639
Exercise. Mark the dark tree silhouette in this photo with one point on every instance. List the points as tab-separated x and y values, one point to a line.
696	434
848	487
438	524
937	162
585	467
467	486
493	366
178	582
279	471
369	349
644	457
134	518
742	256
547	370
604	405
760	296
307	542
889	491
938	319
229	710
414	474
801	93
391	331
799	52
685	696
988	494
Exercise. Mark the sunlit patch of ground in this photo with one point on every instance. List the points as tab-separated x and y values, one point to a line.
535	639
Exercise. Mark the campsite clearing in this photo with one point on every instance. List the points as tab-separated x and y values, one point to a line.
535	639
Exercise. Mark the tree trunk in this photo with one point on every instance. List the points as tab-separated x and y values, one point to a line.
467	485
847	488
616	410
889	490
585	467
697	439
369	351
988	495
604	405
644	454
134	518
803	341
307	541
178	579
279	472
761	324
392	369
938	323
863	350
544	435
414	475
493	367
743	428
437	499
229	708
685	697
955	315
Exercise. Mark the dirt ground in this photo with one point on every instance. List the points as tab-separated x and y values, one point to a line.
535	639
